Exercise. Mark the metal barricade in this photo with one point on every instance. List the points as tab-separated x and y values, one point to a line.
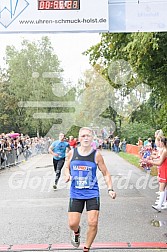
15	156
10	157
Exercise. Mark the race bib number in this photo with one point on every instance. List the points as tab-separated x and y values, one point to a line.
82	182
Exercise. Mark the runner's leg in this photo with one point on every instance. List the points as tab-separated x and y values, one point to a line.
55	162
93	216
74	220
59	167
75	210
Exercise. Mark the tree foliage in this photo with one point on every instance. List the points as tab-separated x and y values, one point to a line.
132	131
147	56
27	79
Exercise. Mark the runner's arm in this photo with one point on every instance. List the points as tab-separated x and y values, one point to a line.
106	174
51	151
67	166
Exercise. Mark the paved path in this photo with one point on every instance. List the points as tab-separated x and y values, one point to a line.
32	213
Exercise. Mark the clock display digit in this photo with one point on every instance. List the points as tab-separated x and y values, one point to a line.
41	5
56	5
68	4
61	5
47	5
75	4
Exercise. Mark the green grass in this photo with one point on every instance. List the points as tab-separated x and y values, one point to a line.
134	160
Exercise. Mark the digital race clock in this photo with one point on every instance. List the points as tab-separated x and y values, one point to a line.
59	5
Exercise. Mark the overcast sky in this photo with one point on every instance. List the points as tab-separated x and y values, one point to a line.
68	47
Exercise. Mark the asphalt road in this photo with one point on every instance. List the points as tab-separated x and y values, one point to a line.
32	213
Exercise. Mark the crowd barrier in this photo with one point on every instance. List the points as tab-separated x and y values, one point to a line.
11	157
15	156
133	149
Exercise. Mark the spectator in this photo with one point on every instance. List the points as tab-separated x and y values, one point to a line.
140	143
123	145
95	143
72	142
162	163
116	144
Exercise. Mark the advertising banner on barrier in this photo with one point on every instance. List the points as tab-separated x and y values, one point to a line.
53	16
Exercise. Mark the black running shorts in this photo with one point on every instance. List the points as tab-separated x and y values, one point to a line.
77	205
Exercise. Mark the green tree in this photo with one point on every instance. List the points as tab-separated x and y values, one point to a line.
132	131
147	55
30	76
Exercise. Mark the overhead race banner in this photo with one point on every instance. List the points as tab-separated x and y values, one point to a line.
53	16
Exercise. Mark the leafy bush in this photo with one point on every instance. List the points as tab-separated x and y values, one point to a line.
133	131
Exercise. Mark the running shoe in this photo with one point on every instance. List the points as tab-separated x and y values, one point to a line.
157	202
157	208
86	249
75	238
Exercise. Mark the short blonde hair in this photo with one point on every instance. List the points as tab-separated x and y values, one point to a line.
86	128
